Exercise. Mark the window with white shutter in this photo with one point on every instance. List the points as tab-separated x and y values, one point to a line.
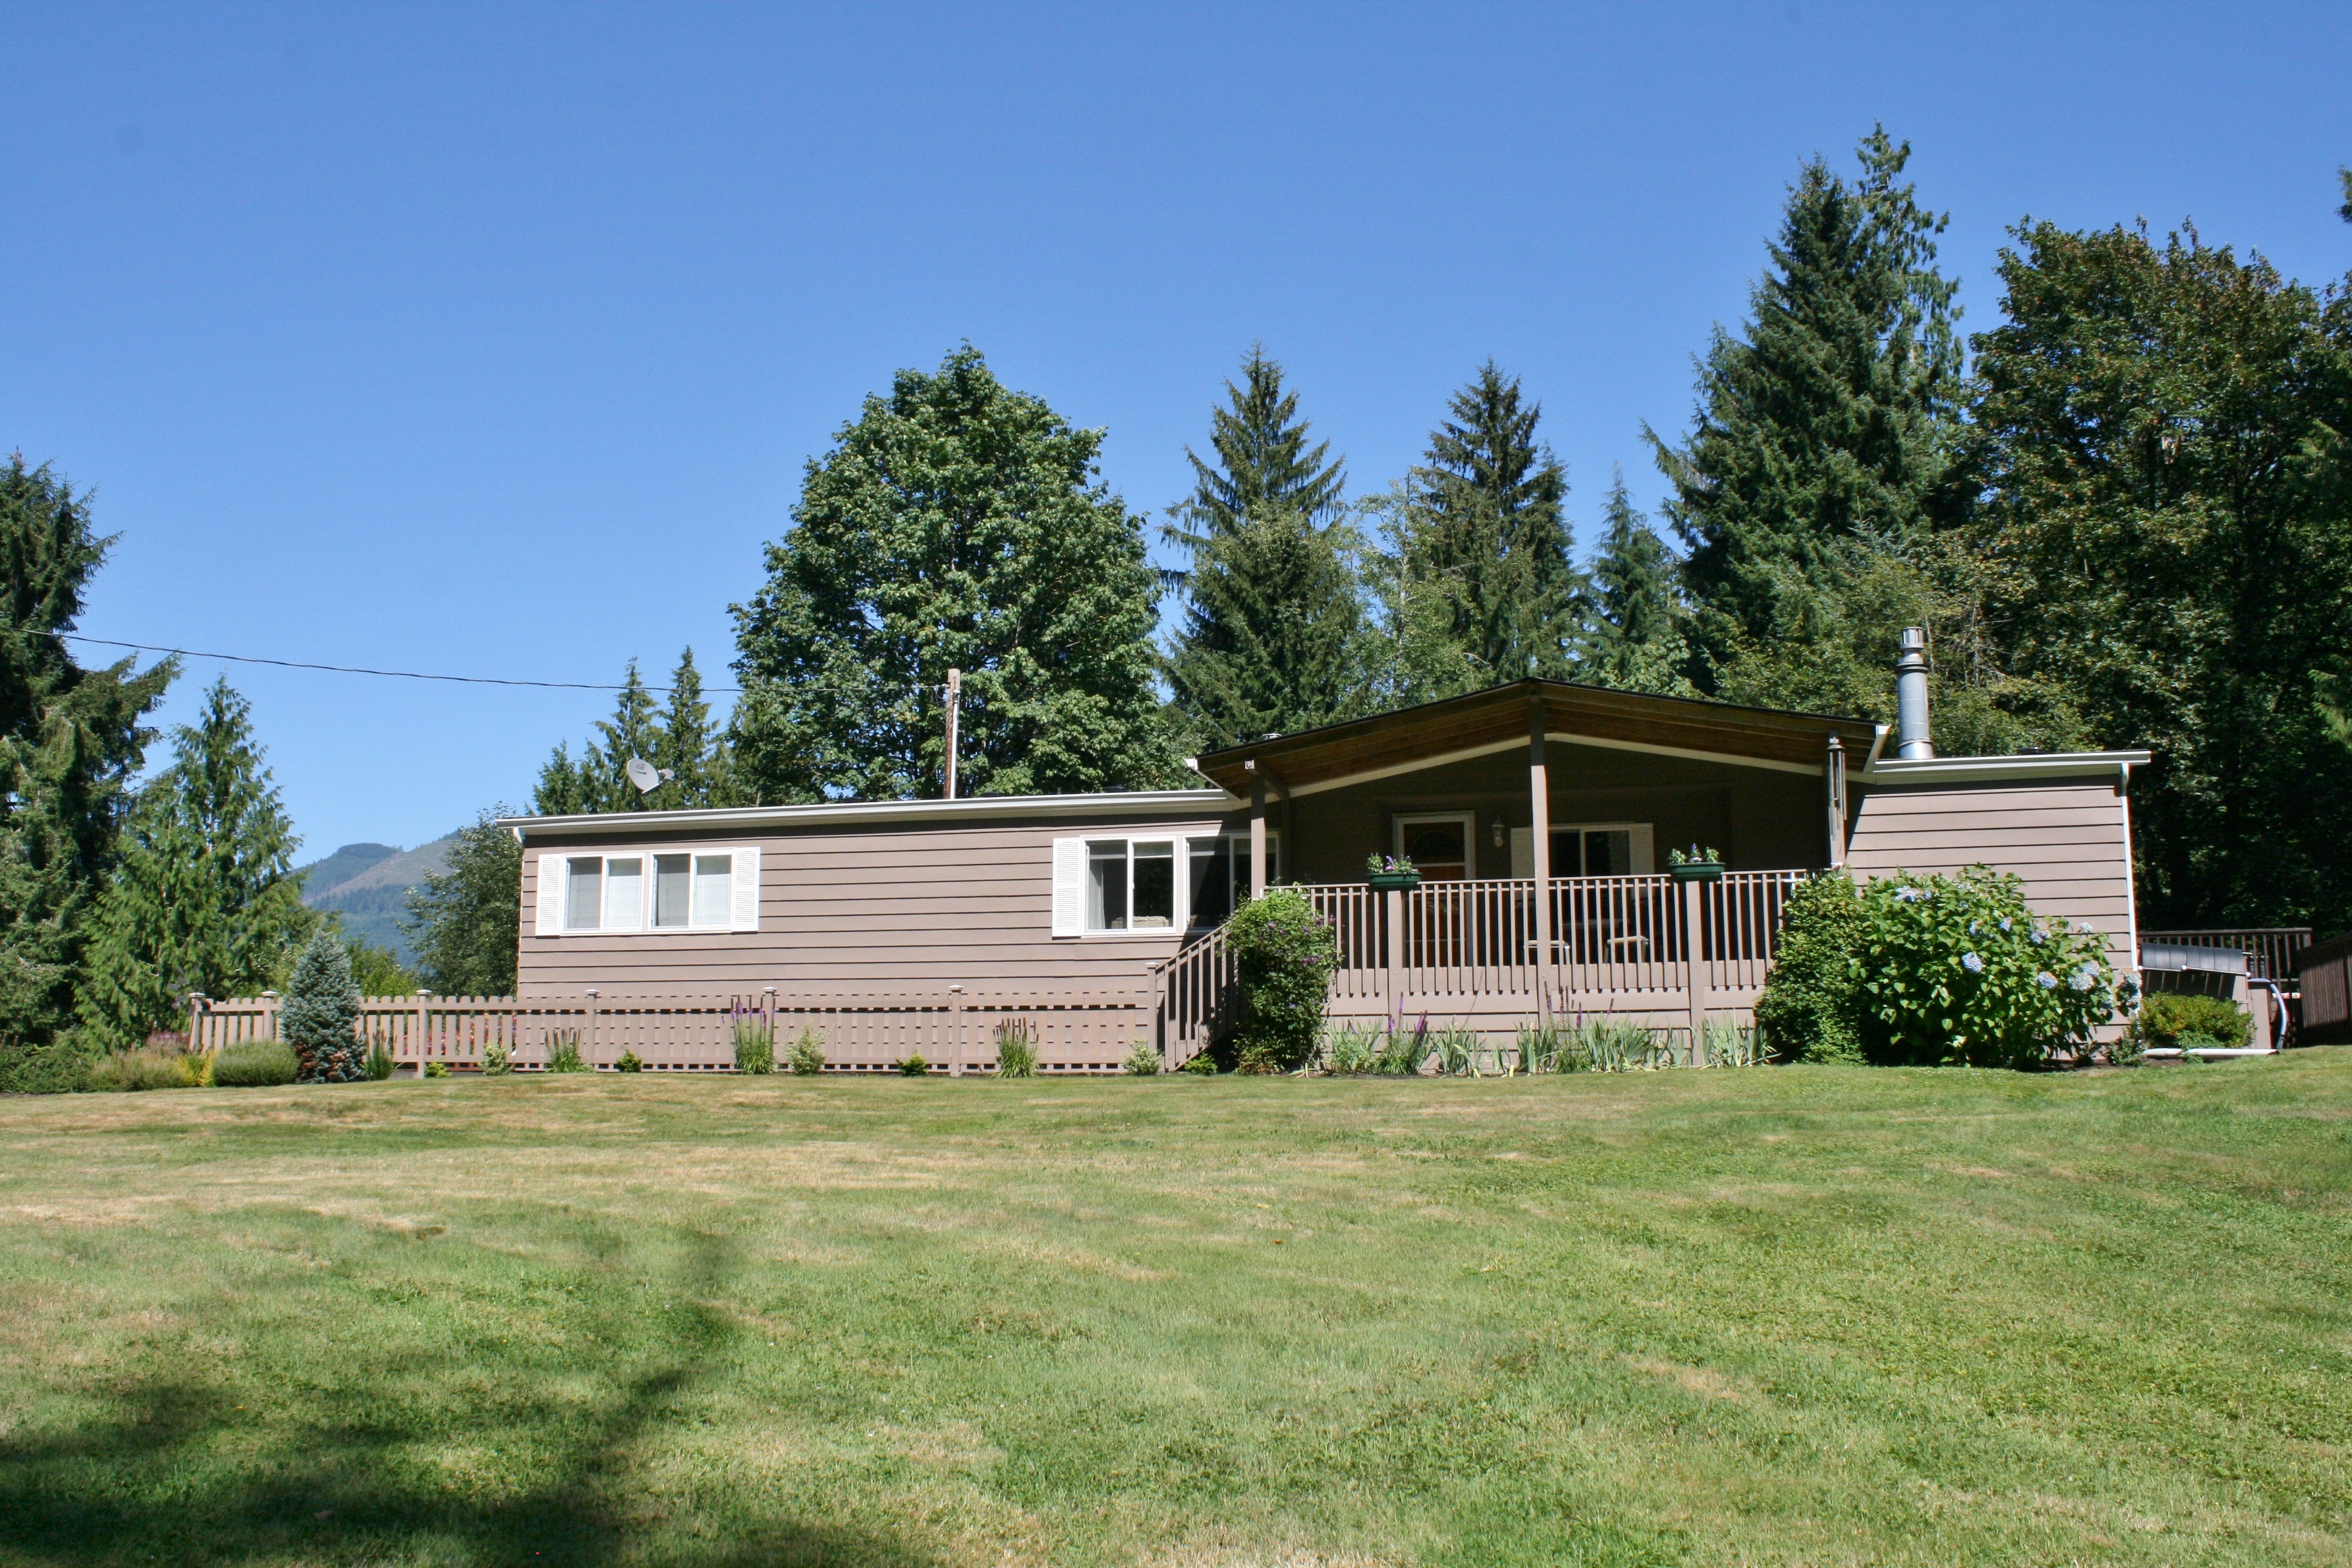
550	920
743	902
1069	887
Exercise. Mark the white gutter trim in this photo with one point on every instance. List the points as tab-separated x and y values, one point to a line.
1124	802
1877	746
1994	770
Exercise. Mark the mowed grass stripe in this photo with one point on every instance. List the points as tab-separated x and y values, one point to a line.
1815	1316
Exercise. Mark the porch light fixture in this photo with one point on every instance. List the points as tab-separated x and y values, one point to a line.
1497	836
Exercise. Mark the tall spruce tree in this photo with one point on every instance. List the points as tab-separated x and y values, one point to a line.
676	734
465	920
955	523
1272	633
1831	424
1482	587
204	898
70	741
1632	629
2167	520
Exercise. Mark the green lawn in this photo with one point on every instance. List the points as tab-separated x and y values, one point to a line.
1816	1315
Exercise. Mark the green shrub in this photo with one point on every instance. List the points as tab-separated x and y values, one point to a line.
1284	955
1202	1066
497	1059
1812	1007
63	1065
632	1062
437	1069
147	1067
254	1064
1958	970
563	1052
914	1065
378	1065
755	1045
806	1058
1016	1048
1458	1052
2177	1021
1142	1062
320	1018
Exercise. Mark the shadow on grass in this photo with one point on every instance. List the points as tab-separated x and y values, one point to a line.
150	1483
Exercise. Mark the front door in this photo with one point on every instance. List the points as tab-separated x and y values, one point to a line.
1438	844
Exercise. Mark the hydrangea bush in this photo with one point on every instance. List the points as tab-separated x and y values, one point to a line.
1958	970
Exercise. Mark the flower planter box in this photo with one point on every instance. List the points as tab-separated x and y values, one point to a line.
1394	881
1697	871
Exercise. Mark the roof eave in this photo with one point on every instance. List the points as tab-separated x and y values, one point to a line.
1149	803
1994	770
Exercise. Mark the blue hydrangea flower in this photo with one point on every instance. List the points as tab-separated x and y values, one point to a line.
2038	935
1975	928
1972	963
2005	924
2083	978
1909	895
2047	981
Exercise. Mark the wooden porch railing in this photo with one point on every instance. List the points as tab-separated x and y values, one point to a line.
1463	953
1075	1029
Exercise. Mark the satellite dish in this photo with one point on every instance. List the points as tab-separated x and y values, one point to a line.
646	777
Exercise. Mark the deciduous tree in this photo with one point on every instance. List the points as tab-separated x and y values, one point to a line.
464	923
955	523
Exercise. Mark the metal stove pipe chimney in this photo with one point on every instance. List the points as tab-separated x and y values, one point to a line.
1911	739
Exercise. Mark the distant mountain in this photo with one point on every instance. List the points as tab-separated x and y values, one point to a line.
368	885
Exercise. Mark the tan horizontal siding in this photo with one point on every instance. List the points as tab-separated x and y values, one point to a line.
868	907
2068	843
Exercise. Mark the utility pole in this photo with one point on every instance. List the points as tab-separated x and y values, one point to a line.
955	694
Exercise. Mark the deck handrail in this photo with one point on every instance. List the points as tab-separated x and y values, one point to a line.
2269	950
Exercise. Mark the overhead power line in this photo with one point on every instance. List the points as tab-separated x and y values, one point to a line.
396	674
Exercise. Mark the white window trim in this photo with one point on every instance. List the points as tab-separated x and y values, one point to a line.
1469	821
1183	897
554	890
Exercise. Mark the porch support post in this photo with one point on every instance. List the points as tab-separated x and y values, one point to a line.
1833	776
1539	856
1694	966
1257	831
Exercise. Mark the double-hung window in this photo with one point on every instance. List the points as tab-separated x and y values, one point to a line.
1148	883
649	890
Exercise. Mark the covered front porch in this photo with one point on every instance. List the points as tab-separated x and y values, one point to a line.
1542	817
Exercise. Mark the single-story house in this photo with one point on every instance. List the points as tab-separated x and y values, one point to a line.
1540	814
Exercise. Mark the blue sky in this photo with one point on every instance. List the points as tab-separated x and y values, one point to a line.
493	340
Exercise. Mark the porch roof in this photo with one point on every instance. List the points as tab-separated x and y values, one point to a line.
1499	717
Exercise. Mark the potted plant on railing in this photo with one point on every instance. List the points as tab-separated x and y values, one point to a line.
1698	866
1390	874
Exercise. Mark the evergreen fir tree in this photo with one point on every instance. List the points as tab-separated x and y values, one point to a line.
1484	588
676	736
1632	637
1263	465
70	741
204	898
321	1015
465	921
1272	637
955	523
1834	420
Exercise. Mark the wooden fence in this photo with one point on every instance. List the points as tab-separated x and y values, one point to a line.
954	1028
2327	986
1464	954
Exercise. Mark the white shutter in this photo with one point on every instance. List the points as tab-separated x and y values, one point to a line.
1645	849
550	896
1069	887
746	912
1523	851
